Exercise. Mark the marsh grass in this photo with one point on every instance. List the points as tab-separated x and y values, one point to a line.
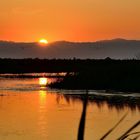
127	134
106	134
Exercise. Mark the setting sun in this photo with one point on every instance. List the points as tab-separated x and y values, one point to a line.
43	41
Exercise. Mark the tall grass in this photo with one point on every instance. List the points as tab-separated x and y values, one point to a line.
127	134
106	134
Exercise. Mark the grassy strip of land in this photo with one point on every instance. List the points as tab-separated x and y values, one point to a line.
107	74
109	79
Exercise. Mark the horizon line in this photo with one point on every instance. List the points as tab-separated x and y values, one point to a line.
102	40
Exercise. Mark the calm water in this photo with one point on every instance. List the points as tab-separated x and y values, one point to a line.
29	111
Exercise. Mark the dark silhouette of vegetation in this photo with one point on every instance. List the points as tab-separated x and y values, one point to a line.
107	134
87	98
69	65
113	101
127	133
83	118
115	75
30	75
108	74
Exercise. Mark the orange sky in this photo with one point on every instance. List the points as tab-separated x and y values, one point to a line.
71	20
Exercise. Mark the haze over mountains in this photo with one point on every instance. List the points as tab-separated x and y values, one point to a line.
115	49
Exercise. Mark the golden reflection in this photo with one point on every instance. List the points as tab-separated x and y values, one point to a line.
42	97
43	81
42	113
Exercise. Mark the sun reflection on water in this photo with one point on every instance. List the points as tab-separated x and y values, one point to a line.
42	113
43	81
42	98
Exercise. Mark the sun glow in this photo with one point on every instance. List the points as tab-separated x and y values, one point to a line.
43	41
43	81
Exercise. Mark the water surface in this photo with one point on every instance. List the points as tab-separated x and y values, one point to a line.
30	111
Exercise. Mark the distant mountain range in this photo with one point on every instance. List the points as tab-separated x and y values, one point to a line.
115	49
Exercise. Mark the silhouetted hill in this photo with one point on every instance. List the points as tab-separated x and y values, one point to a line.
116	49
